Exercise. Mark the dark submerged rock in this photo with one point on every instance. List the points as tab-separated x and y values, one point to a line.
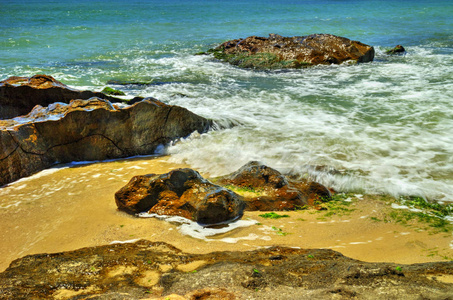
398	49
18	95
91	129
154	269
277	52
181	192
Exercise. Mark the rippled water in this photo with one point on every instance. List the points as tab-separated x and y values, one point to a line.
387	126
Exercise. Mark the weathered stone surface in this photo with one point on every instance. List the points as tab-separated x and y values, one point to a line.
181	192
151	269
18	95
89	130
267	189
276	52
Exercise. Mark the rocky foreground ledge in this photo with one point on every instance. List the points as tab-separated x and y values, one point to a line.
158	270
278	52
86	130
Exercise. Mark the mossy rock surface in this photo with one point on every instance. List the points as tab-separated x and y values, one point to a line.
109	91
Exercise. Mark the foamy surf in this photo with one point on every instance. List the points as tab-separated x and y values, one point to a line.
195	230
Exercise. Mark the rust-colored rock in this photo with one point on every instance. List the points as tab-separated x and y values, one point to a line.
153	270
91	129
181	192
292	52
267	189
18	95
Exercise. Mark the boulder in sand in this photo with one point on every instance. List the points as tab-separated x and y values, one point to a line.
181	192
265	189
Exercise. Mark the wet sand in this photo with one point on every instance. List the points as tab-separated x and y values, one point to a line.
71	208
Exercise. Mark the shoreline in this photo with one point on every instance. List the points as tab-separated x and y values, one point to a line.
75	208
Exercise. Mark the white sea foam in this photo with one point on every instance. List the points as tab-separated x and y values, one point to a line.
195	230
393	136
124	242
40	174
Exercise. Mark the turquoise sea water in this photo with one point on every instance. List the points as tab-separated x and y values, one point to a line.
386	125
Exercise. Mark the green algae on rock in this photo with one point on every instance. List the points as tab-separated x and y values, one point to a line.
110	91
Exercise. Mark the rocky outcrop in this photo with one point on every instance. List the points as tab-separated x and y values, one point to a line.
91	129
18	95
181	192
264	188
277	52
157	270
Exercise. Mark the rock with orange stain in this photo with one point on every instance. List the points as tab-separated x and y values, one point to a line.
181	192
292	52
267	189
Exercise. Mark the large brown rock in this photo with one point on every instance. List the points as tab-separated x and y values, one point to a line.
181	192
18	95
292	52
157	270
265	188
91	129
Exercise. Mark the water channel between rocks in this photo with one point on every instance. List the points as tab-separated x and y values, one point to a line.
73	206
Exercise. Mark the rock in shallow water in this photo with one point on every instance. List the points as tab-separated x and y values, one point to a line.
153	269
277	52
89	130
398	49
